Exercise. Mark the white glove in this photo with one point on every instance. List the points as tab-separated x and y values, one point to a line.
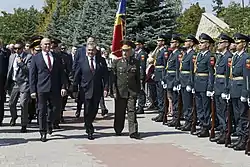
162	83
179	87
63	92
174	88
33	95
223	96
188	89
209	94
193	91
228	96
243	99
165	86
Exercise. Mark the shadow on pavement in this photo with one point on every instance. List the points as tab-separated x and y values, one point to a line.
12	141
16	130
151	134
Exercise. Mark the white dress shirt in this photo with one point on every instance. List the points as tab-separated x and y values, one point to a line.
15	68
45	57
89	58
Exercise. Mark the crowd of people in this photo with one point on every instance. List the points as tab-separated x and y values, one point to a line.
202	81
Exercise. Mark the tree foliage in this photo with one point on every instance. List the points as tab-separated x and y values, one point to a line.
188	22
218	7
20	25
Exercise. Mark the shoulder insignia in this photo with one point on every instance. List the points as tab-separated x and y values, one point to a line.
142	57
229	62
248	64
166	55
212	61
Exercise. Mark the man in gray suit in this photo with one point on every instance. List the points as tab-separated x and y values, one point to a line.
18	84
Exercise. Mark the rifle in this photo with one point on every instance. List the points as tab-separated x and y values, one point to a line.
247	150
229	123
166	103
212	134
180	106
194	116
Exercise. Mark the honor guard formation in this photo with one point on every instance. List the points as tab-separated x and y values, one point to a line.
196	85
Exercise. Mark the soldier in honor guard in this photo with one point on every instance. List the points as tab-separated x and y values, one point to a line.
239	70
142	56
171	78
160	62
185	78
127	85
221	85
203	76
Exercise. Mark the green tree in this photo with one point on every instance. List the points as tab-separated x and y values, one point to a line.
218	7
188	21
20	25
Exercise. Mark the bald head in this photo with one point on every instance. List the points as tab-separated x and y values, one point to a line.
45	44
91	40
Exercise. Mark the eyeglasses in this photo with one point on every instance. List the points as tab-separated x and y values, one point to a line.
18	48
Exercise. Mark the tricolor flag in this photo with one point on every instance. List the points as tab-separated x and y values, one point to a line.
119	28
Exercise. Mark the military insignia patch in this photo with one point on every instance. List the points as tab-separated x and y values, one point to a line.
229	62
212	61
248	64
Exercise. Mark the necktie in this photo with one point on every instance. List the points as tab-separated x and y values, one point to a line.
49	62
92	65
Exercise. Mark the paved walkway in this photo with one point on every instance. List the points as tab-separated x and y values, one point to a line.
68	147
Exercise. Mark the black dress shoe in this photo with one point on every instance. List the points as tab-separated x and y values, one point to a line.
187	127
159	116
172	123
56	126
77	114
241	146
1	124
62	120
222	139
232	145
23	129
197	132
135	136
13	121
204	133
140	111
50	130
90	136
118	134
43	137
104	112
215	139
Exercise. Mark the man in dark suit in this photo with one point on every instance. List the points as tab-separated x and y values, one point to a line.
92	75
4	58
18	84
48	83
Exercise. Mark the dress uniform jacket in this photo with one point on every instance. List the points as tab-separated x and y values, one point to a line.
238	73
126	77
172	72
203	72
185	66
221	73
142	57
160	63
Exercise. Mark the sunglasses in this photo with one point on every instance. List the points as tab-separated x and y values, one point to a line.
18	48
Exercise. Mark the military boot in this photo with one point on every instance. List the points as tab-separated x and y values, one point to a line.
241	145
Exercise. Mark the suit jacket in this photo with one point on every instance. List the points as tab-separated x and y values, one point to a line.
92	84
4	58
22	75
43	80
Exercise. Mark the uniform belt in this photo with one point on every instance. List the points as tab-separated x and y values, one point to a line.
220	76
202	74
170	71
159	66
185	72
237	78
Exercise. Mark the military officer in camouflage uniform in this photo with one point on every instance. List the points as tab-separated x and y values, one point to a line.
203	76
185	78
221	84
126	88
160	62
239	70
171	77
141	56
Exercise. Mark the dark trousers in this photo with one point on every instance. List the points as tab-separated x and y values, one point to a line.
173	95
152	93
2	99
49	107
121	105
160	96
187	100
110	81
142	97
221	112
203	109
32	109
90	111
64	102
240	110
